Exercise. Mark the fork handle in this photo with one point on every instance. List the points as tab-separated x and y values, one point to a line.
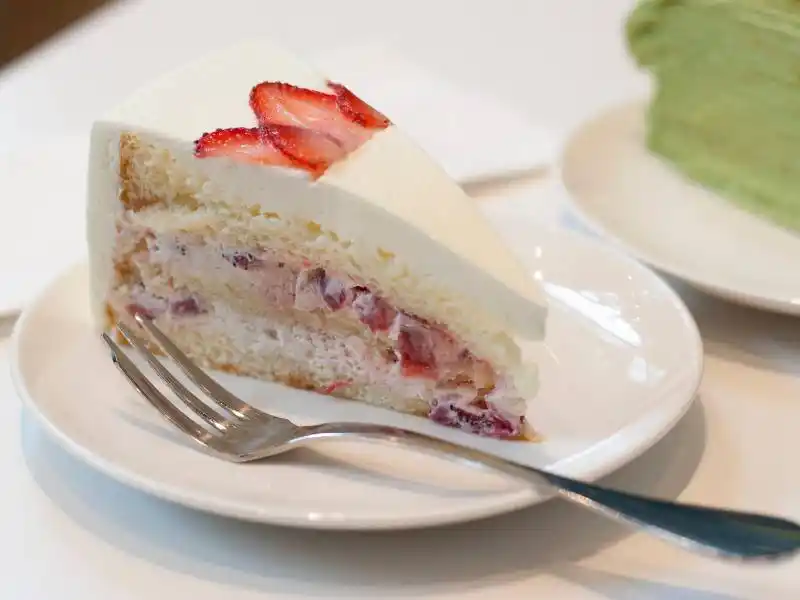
726	533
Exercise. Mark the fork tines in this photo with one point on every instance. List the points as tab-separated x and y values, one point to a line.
228	408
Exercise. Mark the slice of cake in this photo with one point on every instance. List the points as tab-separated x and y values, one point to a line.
725	110
275	225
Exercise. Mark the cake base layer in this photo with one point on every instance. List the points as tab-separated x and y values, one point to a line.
294	355
343	366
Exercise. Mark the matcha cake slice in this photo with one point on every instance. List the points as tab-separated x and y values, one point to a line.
726	107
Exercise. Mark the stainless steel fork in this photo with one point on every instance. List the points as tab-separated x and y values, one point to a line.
238	432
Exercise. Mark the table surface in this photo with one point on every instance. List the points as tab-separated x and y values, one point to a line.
71	533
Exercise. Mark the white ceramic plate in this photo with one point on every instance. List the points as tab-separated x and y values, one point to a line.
42	228
621	365
638	200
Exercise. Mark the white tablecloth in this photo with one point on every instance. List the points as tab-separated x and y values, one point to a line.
68	533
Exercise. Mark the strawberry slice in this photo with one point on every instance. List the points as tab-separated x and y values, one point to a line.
276	103
355	109
372	311
313	150
286	104
336	385
241	143
414	346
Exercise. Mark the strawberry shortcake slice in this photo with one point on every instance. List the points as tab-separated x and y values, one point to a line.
277	226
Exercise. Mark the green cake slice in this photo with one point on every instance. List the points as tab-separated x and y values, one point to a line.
726	107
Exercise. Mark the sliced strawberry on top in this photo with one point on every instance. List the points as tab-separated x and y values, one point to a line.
286	104
276	103
313	150
355	109
241	143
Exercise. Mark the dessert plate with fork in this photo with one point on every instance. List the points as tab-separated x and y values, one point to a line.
229	429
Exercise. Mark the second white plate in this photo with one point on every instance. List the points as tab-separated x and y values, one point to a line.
621	365
638	200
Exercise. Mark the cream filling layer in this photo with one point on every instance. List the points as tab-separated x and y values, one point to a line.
420	359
